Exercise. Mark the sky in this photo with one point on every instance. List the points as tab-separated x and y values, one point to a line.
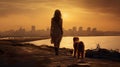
101	14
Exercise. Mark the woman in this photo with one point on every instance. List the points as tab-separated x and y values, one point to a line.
56	30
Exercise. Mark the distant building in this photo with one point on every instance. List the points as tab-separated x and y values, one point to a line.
74	30
33	28
80	29
94	30
89	29
21	30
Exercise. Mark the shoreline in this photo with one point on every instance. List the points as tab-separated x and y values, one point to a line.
33	56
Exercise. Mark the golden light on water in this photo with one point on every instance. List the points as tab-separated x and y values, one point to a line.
90	42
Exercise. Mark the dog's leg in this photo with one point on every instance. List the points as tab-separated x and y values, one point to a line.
75	52
78	54
82	54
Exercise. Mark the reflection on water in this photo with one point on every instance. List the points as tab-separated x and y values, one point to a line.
110	42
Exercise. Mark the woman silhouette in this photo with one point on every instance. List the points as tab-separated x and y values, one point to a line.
56	31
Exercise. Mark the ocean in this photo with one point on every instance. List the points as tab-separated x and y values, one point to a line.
108	42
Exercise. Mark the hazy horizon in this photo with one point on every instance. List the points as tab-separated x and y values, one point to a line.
48	28
101	14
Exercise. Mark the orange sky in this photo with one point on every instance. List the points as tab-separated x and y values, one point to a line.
85	13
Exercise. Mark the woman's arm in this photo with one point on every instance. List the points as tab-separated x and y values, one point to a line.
51	29
61	26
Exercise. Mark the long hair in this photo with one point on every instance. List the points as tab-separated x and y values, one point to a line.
57	15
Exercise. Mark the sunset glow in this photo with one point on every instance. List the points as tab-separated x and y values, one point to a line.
24	13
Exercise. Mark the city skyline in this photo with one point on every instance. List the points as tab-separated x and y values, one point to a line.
74	31
102	14
35	28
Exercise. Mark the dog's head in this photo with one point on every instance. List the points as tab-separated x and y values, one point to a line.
75	39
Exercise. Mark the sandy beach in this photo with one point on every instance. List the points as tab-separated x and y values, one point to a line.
29	55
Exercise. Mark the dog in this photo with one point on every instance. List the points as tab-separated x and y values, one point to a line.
78	48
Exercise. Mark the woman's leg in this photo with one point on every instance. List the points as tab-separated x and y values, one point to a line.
56	51
56	47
